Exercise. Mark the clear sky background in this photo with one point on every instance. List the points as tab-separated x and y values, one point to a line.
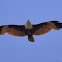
47	47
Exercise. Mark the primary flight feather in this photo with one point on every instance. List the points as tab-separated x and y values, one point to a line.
29	29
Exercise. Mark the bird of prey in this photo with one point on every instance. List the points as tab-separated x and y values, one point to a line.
29	29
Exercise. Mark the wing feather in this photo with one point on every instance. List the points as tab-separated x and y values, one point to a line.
15	30
43	28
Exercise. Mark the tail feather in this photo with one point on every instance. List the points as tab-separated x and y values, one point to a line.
30	38
57	24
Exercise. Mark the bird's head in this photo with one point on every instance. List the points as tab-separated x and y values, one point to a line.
28	25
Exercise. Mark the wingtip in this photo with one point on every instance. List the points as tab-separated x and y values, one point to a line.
58	24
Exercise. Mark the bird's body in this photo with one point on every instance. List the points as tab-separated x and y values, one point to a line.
29	29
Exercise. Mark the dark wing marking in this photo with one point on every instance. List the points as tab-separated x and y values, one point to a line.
45	27
3	29
15	30
57	24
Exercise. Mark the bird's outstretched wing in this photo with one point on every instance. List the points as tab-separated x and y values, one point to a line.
45	27
15	30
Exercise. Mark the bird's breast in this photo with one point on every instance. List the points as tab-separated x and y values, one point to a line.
28	31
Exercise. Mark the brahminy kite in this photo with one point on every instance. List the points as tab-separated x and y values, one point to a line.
29	29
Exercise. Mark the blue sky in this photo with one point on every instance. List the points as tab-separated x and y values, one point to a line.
47	47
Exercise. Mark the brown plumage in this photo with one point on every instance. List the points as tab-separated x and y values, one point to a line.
29	29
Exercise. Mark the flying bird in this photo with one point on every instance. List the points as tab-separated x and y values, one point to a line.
29	29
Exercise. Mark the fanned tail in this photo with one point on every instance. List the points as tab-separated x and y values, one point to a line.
30	38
